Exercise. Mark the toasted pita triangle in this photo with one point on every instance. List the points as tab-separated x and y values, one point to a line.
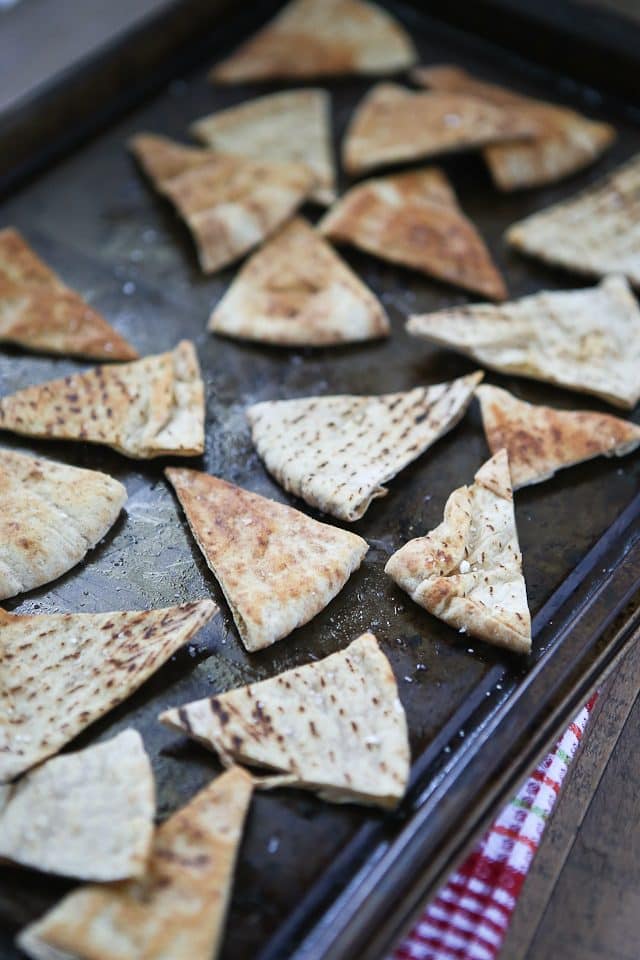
296	291
177	909
394	124
60	672
540	440
414	219
276	567
586	340
468	571
337	452
292	126
335	726
564	143
149	408
229	203
39	312
313	38
87	814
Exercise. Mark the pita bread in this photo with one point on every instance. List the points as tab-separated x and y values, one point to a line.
414	219
335	726
595	233
87	814
276	567
293	126
313	38
296	291
586	340
60	672
540	440
565	141
337	452
230	203
38	312
468	571
176	910
393	124
152	407
52	515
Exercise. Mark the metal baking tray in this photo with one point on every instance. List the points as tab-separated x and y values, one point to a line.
314	880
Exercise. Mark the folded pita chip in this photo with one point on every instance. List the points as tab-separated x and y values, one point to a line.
51	516
335	726
540	440
38	312
152	407
394	124
87	814
337	452
292	126
314	38
230	203
277	567
414	219
595	233
176	910
60	672
296	291
586	340
564	143
468	571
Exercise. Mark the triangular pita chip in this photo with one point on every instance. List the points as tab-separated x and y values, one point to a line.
565	141
87	814
60	672
314	38
586	340
337	452
595	233
541	440
393	124
277	567
414	219
51	516
468	571
335	726
293	126
152	407
230	203
296	291
39	312
177	909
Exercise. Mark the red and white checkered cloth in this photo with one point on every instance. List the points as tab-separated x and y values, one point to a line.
468	919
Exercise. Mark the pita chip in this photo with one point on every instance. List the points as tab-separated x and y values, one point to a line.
595	233
176	910
51	516
40	313
296	291
585	340
335	726
393	124
414	219
540	440
468	571
337	452
230	203
60	672
314	38
152	407
87	814
277	567
293	126
564	142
